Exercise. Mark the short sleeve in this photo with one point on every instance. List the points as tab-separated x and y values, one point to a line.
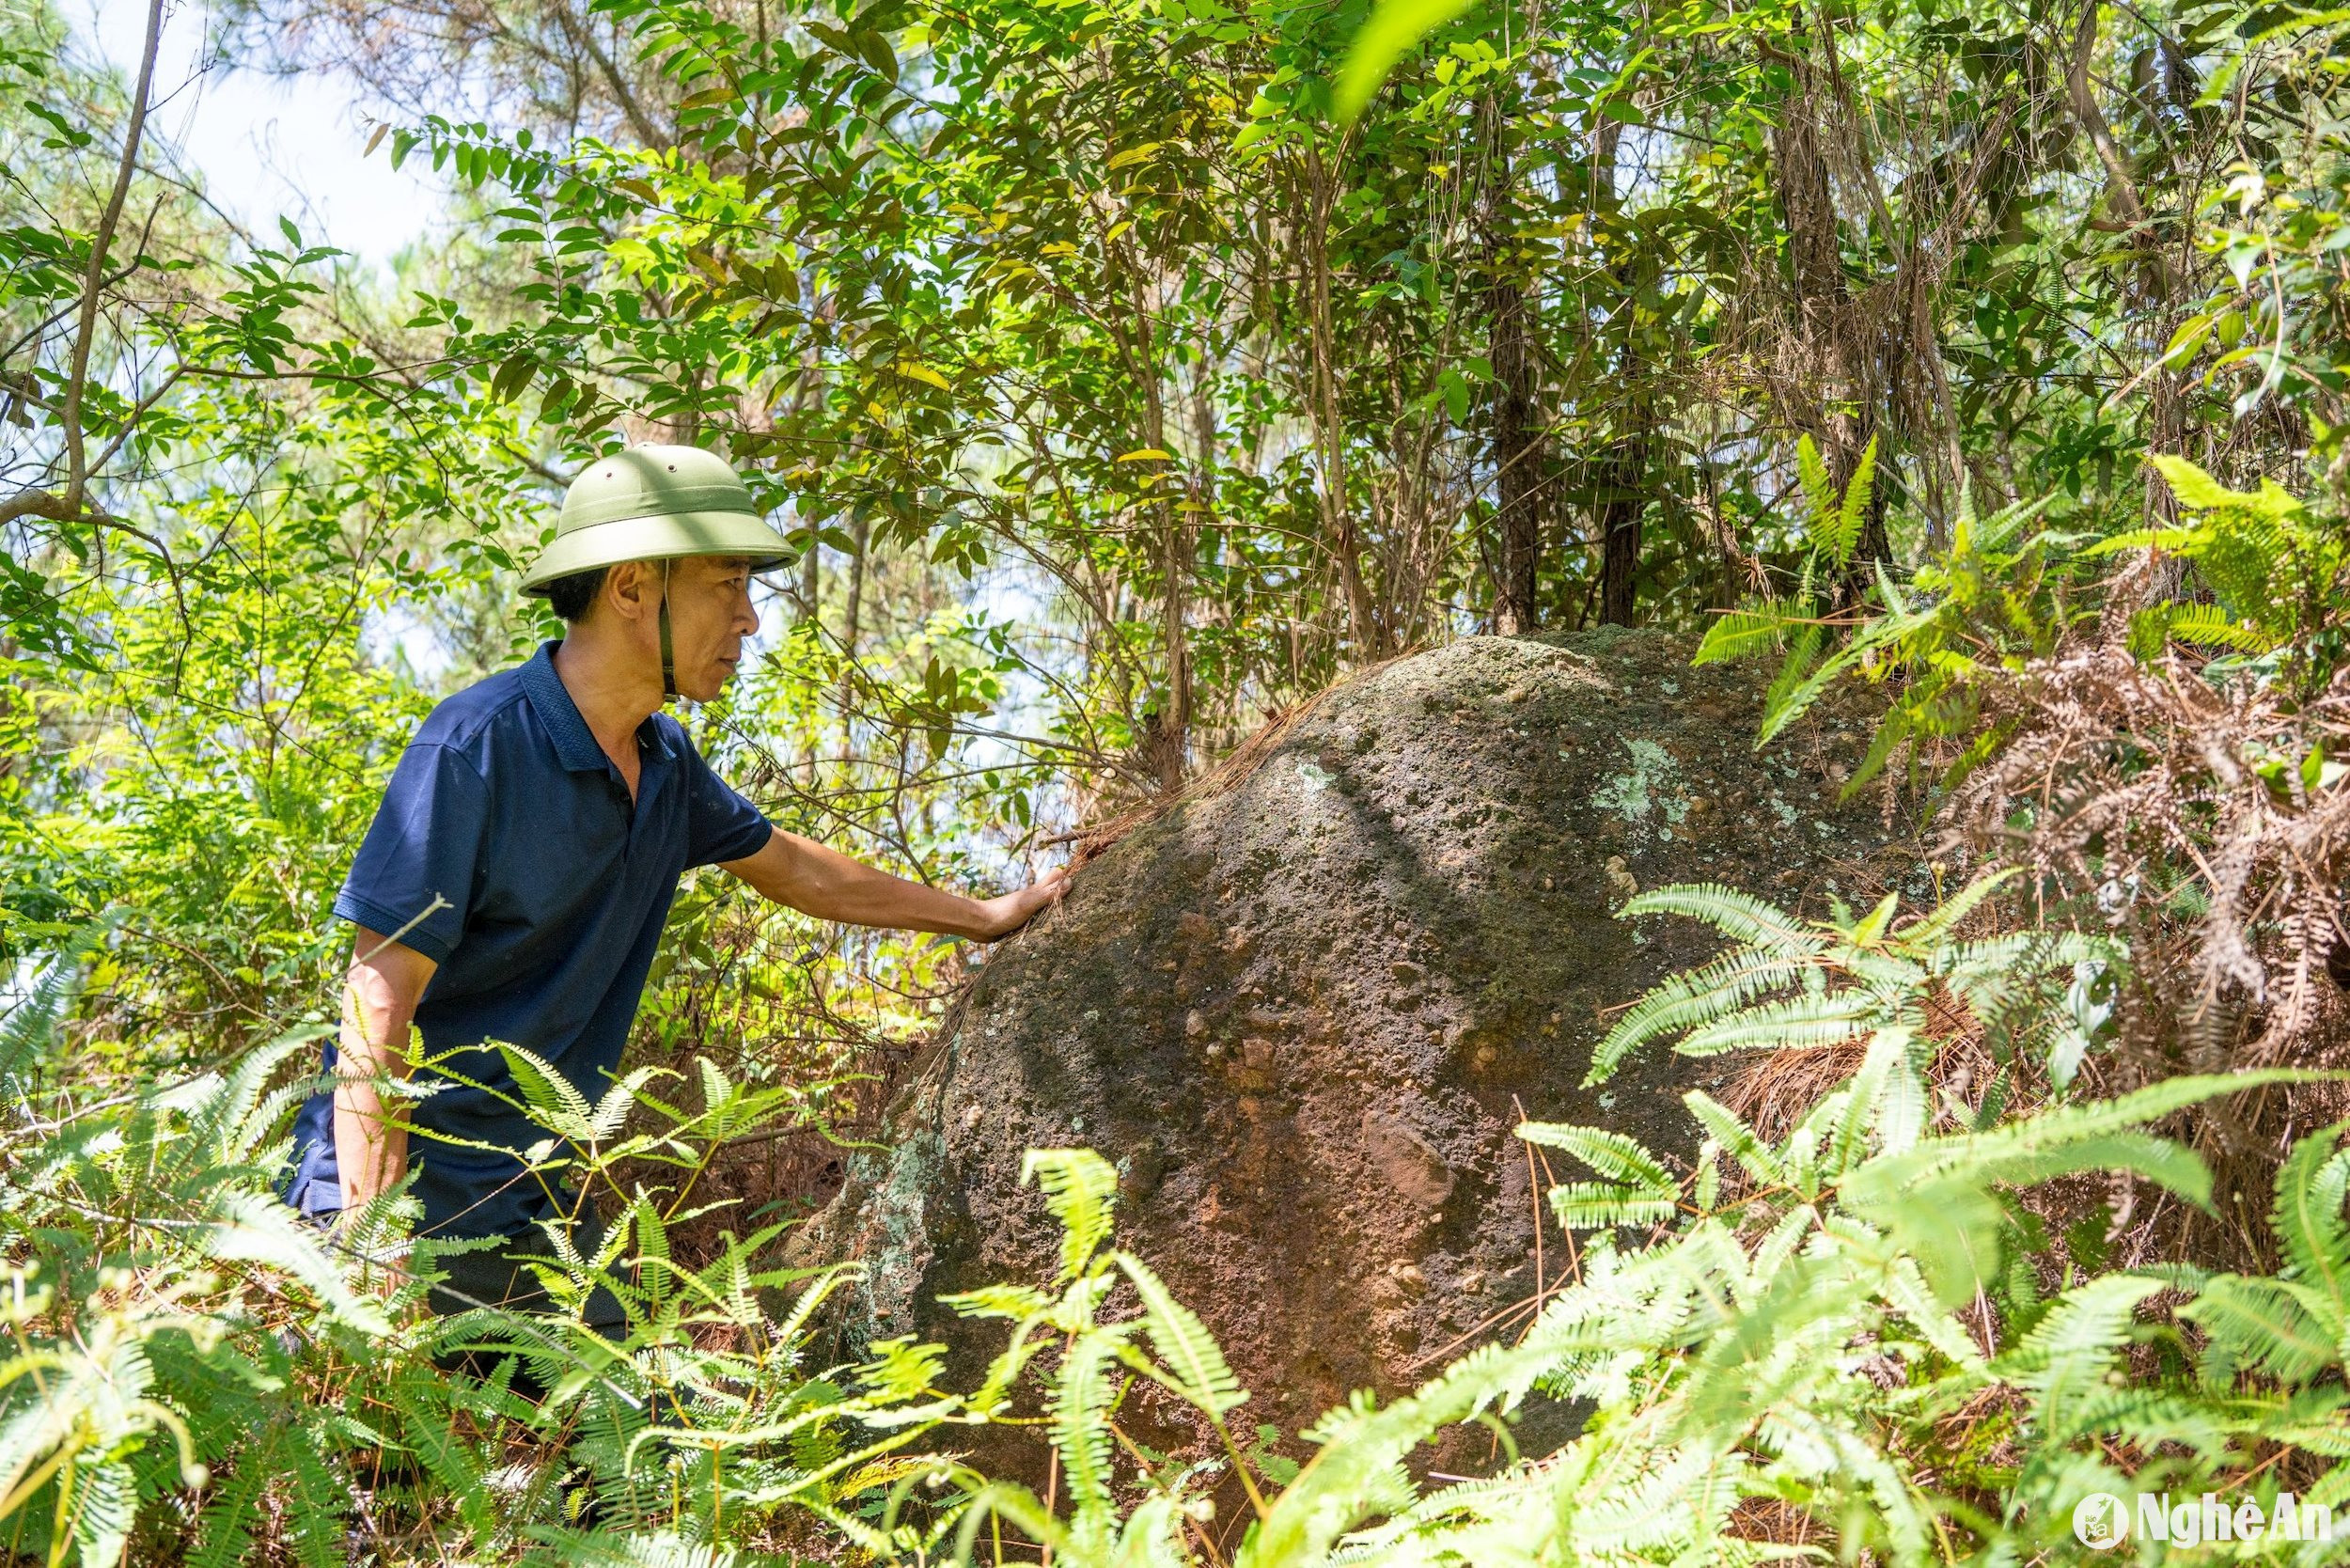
721	825
413	878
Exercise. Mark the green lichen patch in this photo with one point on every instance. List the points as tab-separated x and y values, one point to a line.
1650	787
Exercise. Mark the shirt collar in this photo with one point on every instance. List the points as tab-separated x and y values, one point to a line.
574	743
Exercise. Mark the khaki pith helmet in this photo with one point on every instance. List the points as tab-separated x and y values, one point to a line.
655	503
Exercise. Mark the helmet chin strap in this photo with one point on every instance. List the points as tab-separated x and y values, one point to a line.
668	653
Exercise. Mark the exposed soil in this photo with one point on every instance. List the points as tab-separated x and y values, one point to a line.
1304	1011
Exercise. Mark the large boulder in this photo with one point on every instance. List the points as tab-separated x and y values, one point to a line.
1303	1010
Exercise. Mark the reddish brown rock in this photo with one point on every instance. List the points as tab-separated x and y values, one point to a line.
1302	1011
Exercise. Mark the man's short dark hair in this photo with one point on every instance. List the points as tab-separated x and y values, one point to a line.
571	597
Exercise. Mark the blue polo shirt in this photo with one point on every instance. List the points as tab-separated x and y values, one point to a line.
553	885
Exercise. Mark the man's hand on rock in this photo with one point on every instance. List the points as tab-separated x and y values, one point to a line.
1008	912
806	877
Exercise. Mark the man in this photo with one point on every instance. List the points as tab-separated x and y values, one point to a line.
514	885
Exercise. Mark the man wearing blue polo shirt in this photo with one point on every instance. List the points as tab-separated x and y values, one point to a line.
514	885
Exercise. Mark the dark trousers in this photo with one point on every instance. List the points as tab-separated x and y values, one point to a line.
501	1277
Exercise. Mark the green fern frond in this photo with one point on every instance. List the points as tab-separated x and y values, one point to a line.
1789	699
2169	539
651	1548
1738	632
220	1109
321	1502
1906	1291
259	1230
2308	1217
1803	654
2263	1326
901	1369
1081	1189
1740	1141
999	1301
1890	591
1932	930
550	1098
2072	1348
1887	1101
1818	489
1797	1023
1080	1426
2210	626
1362	1446
1606	1151
2198	490
1687	1000
1997	532
104	1500
1739	915
1844	534
446	1457
612	1111
1601	1205
224	1528
1182	1342
29	1030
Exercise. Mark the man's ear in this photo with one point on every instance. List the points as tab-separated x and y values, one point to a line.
628	590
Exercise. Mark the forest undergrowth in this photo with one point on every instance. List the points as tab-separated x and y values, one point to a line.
1123	374
1890	1328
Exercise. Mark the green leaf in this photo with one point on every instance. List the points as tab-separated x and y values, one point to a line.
1742	632
1609	1152
1846	537
261	1229
876	52
2310	1187
1184	1343
2195	489
1392	30
2259	1324
1081	1189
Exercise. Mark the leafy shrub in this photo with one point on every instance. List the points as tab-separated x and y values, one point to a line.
193	1369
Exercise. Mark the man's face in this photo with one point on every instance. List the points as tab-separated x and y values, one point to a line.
709	615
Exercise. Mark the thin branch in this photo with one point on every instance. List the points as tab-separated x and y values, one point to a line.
77	472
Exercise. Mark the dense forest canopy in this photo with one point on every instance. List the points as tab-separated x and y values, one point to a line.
1124	373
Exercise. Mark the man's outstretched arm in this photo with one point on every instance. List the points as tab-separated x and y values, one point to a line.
828	885
379	1001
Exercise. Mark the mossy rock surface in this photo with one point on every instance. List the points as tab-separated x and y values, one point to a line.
1303	1010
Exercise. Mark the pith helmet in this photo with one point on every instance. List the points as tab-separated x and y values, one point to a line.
655	503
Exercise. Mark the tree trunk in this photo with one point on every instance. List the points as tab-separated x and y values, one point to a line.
1338	516
1520	455
1623	502
1518	460
860	535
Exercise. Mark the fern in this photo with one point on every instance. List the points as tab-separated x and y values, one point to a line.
2310	1187
29	1031
1079	1188
1791	984
1737	633
1844	528
1198	1370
